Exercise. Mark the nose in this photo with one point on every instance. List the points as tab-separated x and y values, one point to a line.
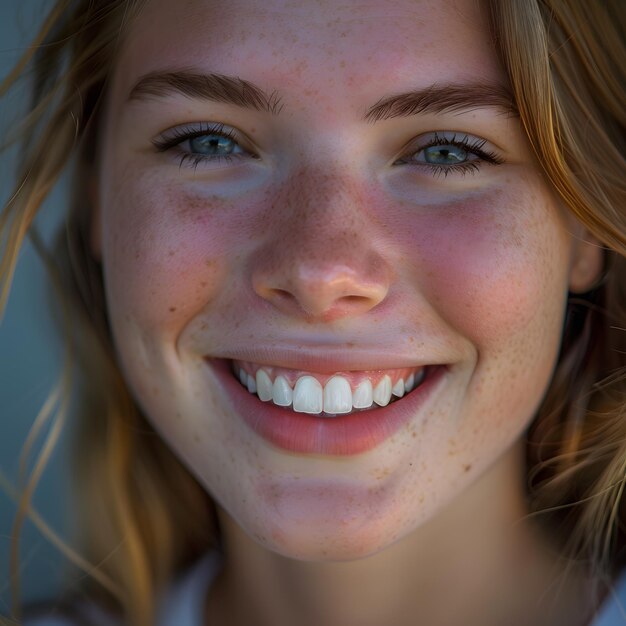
320	261
325	290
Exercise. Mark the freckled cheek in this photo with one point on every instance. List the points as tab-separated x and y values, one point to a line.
164	263
482	268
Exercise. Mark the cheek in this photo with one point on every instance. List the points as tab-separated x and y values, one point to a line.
493	266
164	257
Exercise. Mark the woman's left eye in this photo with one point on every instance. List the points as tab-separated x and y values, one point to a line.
202	143
444	153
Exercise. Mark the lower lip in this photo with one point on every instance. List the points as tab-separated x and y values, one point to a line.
344	435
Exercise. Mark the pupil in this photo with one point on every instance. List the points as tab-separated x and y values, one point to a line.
210	144
445	154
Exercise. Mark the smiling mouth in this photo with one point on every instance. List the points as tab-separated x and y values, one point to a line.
328	395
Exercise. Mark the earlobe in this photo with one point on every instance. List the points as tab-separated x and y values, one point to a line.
587	263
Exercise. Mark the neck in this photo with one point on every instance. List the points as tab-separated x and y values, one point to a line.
479	561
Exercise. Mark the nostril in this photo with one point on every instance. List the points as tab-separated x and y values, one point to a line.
324	295
281	296
273	294
283	293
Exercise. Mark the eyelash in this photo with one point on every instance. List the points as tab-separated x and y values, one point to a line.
471	145
180	135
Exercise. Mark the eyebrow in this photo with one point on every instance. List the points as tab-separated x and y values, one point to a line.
445	98
215	87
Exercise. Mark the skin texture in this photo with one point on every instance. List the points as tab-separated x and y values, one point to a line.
324	242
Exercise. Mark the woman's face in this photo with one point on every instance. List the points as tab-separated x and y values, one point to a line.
325	233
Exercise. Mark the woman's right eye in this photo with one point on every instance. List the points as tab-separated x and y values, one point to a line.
201	144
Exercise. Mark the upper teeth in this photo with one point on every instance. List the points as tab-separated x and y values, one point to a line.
335	397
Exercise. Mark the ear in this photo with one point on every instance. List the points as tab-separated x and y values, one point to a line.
95	223
587	262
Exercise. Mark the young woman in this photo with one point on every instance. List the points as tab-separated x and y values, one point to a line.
347	283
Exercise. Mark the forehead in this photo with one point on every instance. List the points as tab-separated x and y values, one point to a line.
331	48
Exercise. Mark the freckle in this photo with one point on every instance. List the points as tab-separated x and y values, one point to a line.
171	253
172	309
467	468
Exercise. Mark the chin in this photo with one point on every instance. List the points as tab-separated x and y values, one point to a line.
324	543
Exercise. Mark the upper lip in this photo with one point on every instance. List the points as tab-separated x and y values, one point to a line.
325	359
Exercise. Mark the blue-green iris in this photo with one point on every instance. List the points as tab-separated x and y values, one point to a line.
447	154
211	145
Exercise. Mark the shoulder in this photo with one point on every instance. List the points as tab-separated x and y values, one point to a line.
182	604
613	611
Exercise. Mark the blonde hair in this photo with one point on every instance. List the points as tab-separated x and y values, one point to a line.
144	517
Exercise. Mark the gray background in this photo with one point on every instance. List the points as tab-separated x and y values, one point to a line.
30	353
